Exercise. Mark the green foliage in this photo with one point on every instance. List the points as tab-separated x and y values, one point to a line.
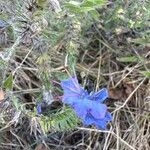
128	59
8	83
130	14
146	73
55	29
45	76
41	3
2	64
44	73
85	6
16	103
71	53
63	120
144	38
59	75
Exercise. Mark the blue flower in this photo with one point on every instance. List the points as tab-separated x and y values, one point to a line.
72	90
99	123
87	106
100	96
38	108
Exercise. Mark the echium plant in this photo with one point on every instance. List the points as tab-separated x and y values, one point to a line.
85	107
88	107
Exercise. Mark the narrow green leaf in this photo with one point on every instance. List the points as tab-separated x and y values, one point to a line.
142	41
74	3
73	6
8	82
92	3
94	14
128	59
85	6
146	73
87	9
64	120
15	103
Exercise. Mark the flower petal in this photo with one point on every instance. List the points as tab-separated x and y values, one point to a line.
70	100
88	120
98	110
108	116
87	107
38	108
100	96
101	123
71	86
81	109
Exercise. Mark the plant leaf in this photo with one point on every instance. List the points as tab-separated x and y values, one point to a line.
85	6
128	59
61	121
8	83
142	41
146	73
16	103
92	3
73	6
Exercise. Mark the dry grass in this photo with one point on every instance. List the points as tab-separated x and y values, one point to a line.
29	56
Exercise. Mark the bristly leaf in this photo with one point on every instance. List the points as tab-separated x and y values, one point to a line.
41	3
85	6
92	3
8	82
72	52
146	73
60	121
15	103
127	59
142	41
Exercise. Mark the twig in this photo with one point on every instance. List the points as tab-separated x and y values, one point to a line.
105	131
129	96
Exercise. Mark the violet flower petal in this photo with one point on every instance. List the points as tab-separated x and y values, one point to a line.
99	96
98	110
38	108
